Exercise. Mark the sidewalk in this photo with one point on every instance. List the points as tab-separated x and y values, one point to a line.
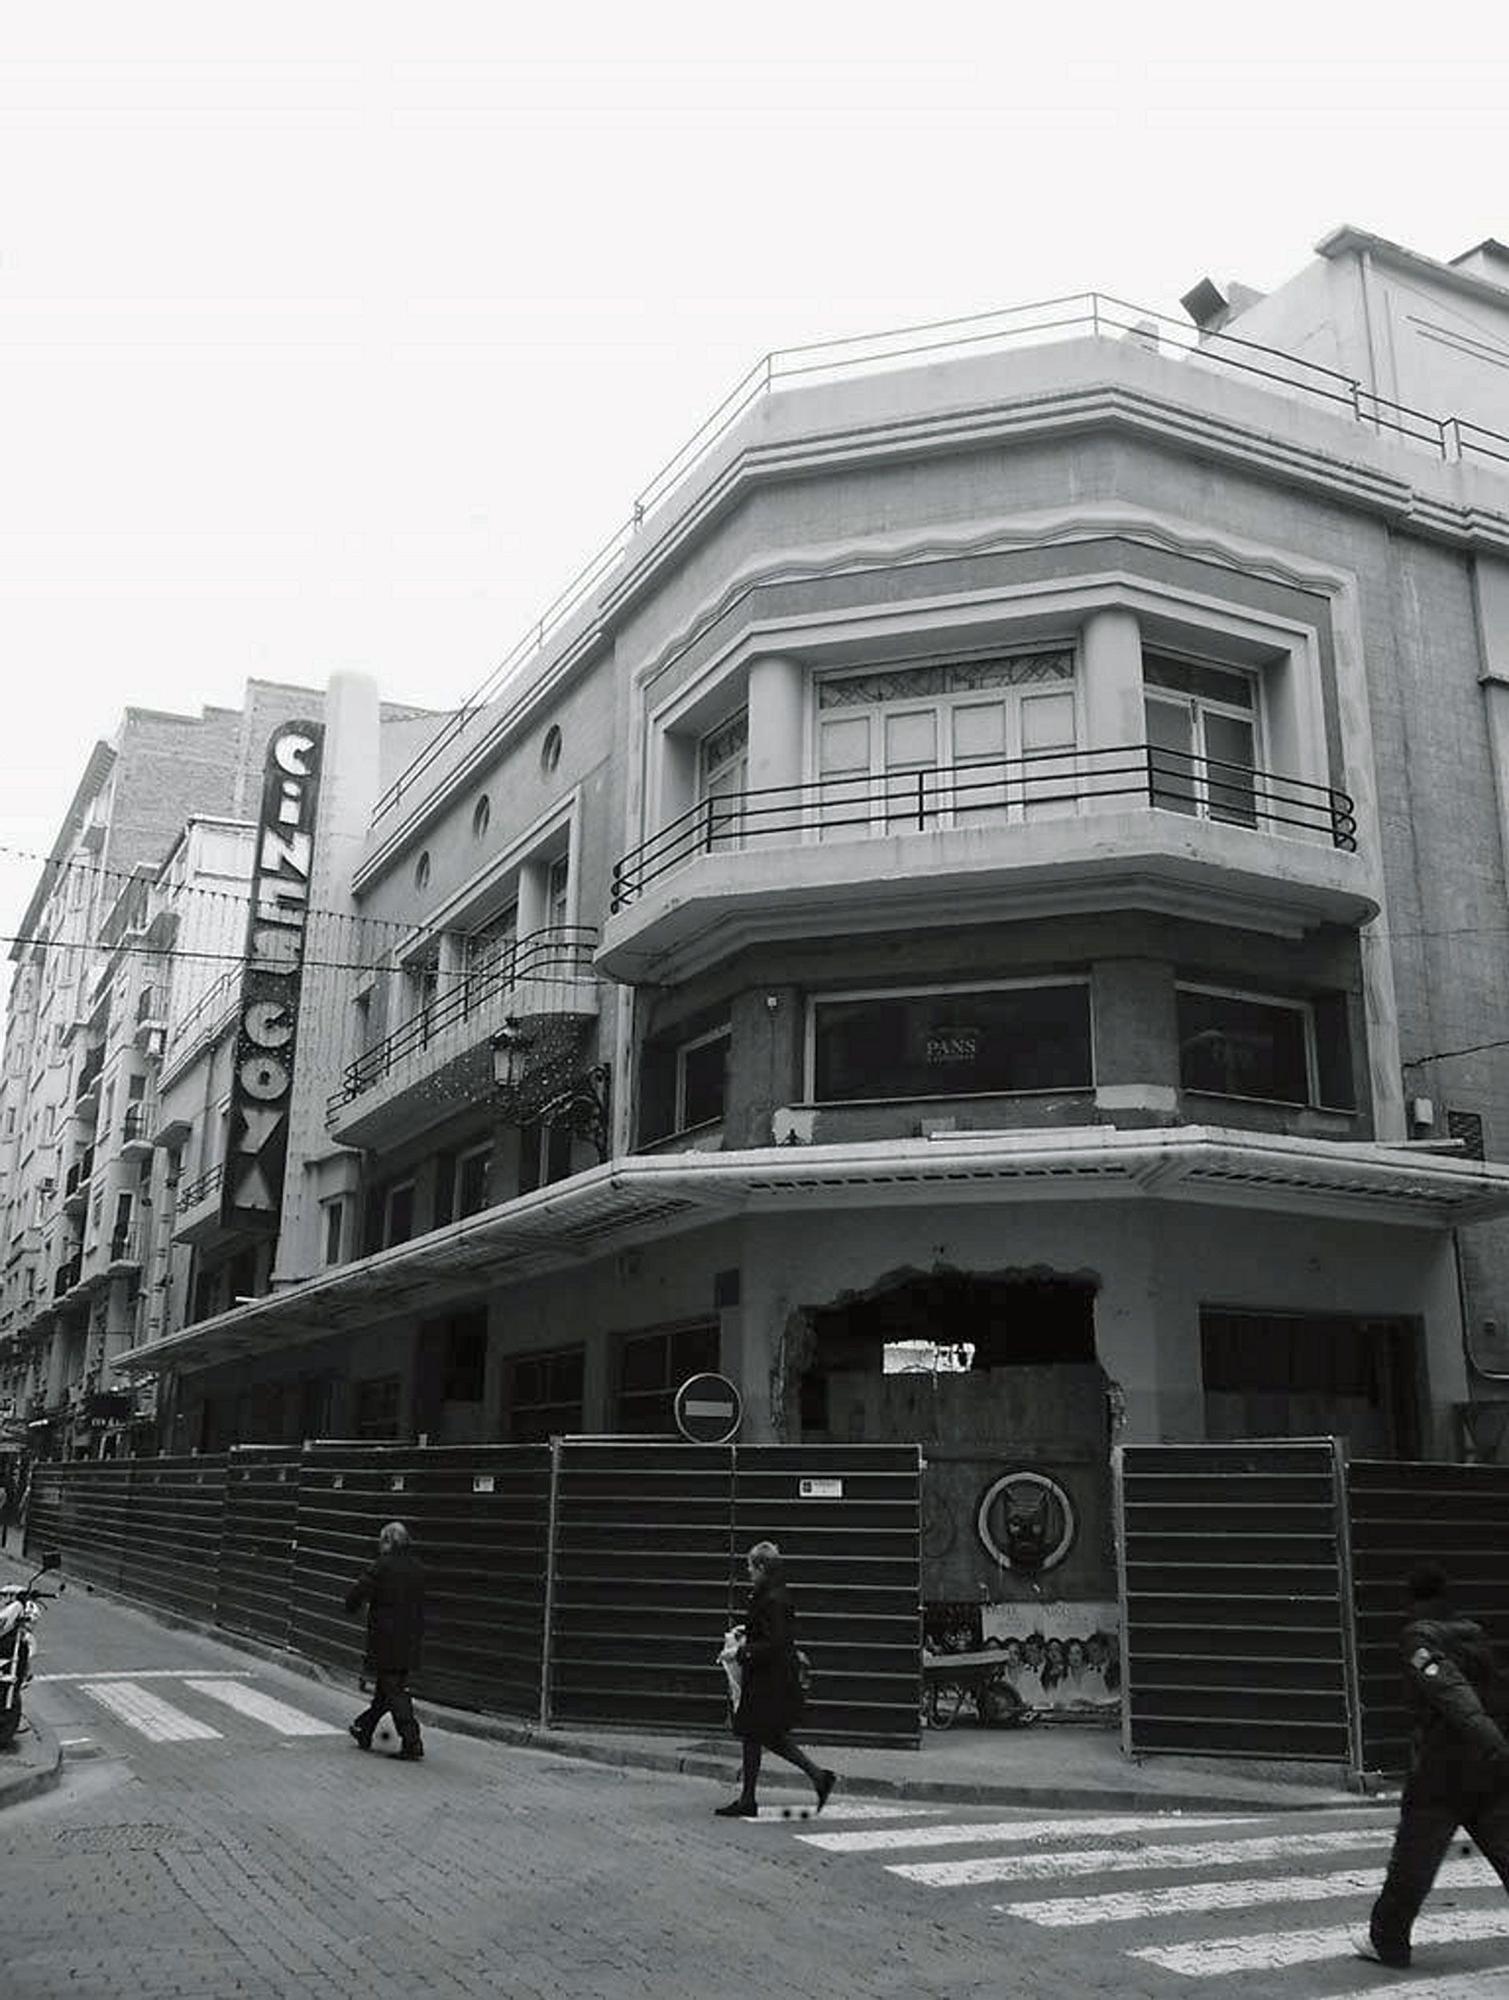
1047	1766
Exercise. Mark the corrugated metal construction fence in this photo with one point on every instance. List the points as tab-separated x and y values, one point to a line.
1402	1515
589	1580
1262	1593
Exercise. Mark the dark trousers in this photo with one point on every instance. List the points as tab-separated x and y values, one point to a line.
783	1746
390	1696
1427	1823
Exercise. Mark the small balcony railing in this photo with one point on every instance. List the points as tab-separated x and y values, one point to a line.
561	953
76	1180
1044	784
207	1187
68	1275
89	1072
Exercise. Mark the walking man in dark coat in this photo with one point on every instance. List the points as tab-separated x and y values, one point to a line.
1460	1770
393	1592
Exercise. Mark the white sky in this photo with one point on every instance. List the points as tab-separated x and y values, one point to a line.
338	333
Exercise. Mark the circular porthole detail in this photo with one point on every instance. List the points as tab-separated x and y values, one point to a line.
422	870
550	749
482	813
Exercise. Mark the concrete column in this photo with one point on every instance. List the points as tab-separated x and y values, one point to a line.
777	716
1111	653
1136	1040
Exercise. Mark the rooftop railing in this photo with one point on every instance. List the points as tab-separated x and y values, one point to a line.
1043	784
561	951
1096	314
214	1005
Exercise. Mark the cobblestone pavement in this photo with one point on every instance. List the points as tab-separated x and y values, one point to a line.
217	1834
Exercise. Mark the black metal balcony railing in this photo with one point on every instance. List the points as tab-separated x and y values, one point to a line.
124	1247
68	1275
131	1124
192	1193
1003	790
562	951
146	1005
77	1177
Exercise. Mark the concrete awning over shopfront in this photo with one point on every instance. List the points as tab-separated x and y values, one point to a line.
643	1197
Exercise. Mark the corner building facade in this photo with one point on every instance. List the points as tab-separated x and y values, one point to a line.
959	930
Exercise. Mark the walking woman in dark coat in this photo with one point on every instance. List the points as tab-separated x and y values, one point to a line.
393	1592
770	1699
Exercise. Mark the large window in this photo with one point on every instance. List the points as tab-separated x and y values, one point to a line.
1202	732
489	955
652	1367
723	779
955	1042
465	1372
956	744
544	1395
1281	1374
376	1407
1238	1045
701	1080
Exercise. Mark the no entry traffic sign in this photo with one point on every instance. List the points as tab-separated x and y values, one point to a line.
708	1409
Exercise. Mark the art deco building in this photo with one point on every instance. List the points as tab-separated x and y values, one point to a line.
965	924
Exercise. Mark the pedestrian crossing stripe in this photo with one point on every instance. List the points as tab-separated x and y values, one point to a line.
161	1721
1187	1899
961	1833
158	1720
838	1809
264	1708
1120	1860
1213	1958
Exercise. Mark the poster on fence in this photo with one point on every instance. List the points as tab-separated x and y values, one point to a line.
1058	1656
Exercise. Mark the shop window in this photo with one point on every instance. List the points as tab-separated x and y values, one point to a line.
954	1042
1279	1374
465	1372
543	1398
377	1401
316	1398
652	1367
1245	1045
702	1080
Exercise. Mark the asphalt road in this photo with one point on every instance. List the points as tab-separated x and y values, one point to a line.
217	1833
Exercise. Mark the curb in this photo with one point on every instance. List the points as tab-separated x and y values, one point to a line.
38	1763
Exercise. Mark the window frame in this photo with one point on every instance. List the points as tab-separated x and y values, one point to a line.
543	1356
1013	806
914	991
1200	706
1280	1003
683	1050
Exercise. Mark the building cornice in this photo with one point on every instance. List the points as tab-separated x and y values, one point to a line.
1122	390
1348	241
639	1197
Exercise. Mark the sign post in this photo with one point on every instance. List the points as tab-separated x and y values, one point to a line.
708	1409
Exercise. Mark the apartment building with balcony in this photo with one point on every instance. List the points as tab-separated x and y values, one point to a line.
948	927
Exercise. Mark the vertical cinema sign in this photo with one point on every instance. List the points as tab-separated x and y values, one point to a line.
267	1033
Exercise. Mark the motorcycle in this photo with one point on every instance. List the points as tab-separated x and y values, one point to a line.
18	1613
